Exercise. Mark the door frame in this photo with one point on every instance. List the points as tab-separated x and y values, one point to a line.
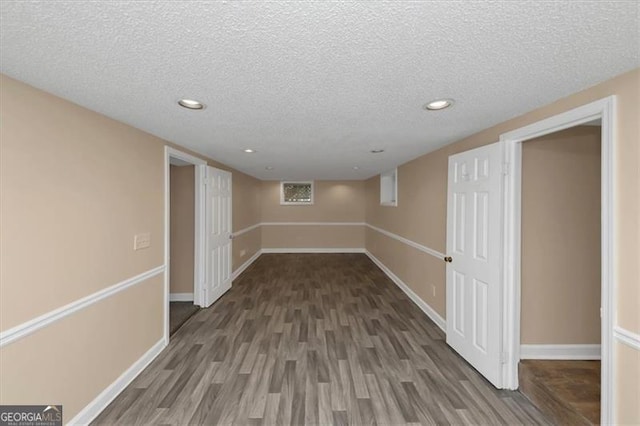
200	169
604	109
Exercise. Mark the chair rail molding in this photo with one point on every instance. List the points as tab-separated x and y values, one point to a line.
408	242
31	326
627	337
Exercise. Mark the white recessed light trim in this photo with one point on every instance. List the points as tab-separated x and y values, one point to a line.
249	151
356	168
438	104
269	168
376	151
191	104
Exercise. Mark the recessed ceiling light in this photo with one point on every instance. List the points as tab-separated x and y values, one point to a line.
269	168
377	151
438	104
249	151
191	104
356	168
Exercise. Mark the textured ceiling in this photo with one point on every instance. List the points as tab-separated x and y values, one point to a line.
313	86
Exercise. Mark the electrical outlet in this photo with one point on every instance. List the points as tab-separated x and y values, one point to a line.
242	253
433	290
141	241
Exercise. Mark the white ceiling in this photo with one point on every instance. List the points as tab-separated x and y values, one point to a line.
313	86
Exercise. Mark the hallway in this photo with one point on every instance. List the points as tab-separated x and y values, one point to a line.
313	339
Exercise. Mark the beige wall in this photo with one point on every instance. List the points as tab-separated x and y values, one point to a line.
75	187
422	218
334	201
313	236
182	228
561	238
627	409
247	196
74	359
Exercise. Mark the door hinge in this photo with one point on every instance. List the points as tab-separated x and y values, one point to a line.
505	169
503	357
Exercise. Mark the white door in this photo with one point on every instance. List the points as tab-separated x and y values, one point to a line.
473	245
218	231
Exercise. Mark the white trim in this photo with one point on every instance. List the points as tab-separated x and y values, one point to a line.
313	223
512	141
199	239
95	407
200	167
180	297
408	242
245	265
31	326
428	310
569	352
247	229
313	250
627	337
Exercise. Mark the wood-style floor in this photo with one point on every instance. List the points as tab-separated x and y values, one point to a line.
179	313
568	392
313	339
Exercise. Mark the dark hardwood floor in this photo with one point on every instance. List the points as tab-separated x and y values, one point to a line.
568	392
313	339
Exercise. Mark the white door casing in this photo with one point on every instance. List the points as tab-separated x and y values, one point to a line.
474	291
605	110
218	231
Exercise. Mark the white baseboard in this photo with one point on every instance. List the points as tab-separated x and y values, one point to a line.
245	265
95	407
568	352
181	297
313	250
431	313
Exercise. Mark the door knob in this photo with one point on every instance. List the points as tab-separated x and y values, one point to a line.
448	259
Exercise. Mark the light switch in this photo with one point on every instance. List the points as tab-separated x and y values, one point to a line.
141	241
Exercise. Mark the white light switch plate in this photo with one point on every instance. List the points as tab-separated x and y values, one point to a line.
141	241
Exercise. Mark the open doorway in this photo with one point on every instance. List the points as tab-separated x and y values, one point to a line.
513	141
560	329
184	241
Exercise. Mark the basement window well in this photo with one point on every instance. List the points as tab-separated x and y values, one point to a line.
389	188
296	193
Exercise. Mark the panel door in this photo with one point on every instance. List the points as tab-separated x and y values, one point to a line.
473	243
218	230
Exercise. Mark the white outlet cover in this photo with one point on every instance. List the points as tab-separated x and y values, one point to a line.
141	241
